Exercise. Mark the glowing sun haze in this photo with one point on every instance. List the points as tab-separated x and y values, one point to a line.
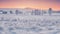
40	4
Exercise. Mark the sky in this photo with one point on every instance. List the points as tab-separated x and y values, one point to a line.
39	4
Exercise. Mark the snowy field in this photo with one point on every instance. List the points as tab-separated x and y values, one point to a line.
25	23
16	24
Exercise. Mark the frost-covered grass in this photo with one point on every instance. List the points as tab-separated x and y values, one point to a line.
20	24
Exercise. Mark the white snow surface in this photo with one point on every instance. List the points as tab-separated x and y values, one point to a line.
29	24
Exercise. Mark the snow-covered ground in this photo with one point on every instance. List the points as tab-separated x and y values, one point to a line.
29	24
15	24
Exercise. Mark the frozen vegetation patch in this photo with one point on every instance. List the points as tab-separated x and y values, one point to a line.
30	25
23	21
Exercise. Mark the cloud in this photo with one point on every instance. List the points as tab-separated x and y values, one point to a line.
9	0
57	1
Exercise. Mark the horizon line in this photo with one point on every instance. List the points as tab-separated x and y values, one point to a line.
29	8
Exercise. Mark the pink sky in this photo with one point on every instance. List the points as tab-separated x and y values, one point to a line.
40	4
